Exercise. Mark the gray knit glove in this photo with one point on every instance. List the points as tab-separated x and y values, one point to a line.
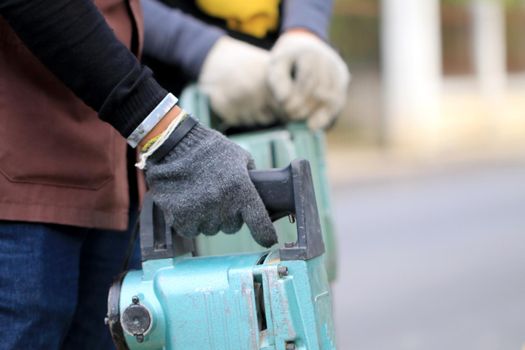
203	186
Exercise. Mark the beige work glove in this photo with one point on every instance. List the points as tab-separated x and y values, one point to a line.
308	79
234	78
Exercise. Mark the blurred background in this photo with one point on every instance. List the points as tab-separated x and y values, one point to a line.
427	166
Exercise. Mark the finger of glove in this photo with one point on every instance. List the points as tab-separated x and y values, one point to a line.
261	106
330	105
299	106
258	221
327	82
279	78
345	77
232	223
301	100
334	80
187	220
229	106
247	107
276	109
321	118
230	215
223	106
253	113
263	117
329	108
210	227
307	109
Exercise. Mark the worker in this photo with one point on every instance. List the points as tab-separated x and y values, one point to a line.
68	190
65	202
260	62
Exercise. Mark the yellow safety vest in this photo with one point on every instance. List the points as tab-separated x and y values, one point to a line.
253	17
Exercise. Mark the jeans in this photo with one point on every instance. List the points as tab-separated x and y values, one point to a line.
54	281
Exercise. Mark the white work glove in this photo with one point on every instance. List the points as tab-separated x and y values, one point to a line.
234	78
308	79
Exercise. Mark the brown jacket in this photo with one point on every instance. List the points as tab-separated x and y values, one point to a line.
58	162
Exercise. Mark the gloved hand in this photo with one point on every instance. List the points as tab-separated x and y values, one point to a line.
234	78
202	185
308	78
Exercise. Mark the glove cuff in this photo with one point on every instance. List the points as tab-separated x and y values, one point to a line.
196	137
182	132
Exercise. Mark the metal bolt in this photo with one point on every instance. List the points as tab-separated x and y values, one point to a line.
290	346
135	299
140	338
289	244
291	218
282	271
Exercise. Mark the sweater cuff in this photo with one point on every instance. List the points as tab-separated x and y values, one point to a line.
125	112
313	15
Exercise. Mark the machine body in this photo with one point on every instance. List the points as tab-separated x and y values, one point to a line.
274	300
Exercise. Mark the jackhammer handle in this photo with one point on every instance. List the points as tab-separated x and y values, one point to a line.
275	188
290	190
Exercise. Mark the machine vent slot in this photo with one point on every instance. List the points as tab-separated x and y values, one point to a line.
261	259
159	229
259	303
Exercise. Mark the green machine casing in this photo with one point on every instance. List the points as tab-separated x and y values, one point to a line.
272	300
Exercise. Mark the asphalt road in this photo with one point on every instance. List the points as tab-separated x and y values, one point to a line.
434	261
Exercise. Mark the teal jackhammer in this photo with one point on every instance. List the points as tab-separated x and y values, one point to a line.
274	300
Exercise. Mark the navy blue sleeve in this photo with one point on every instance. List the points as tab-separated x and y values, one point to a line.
313	15
72	39
177	38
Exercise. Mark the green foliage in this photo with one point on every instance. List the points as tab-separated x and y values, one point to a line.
509	3
515	3
357	39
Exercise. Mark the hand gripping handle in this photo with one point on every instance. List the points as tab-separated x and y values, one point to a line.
290	191
285	191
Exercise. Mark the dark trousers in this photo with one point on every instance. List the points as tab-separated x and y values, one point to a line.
54	282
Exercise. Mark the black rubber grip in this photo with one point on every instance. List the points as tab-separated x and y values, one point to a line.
275	188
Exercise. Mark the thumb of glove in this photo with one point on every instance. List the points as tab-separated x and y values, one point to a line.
258	221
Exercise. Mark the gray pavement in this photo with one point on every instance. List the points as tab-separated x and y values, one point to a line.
433	261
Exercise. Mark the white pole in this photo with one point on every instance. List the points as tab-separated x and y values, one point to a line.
411	67
488	44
